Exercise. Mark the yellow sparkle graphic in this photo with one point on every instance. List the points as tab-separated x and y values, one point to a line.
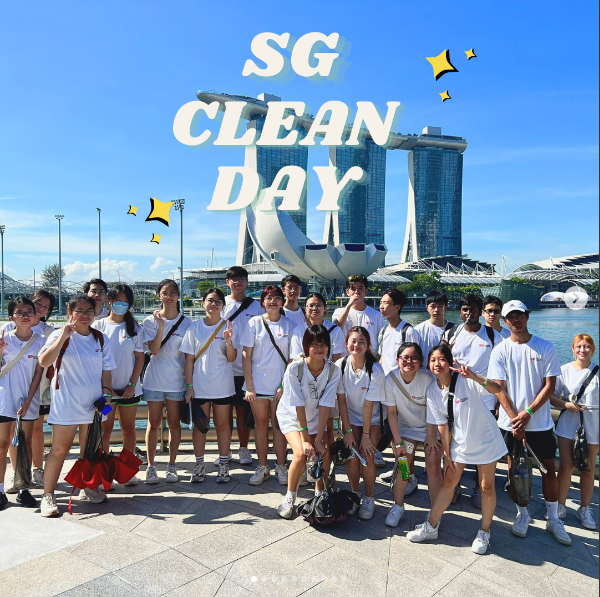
132	210
156	238
159	211
445	96
470	54
442	65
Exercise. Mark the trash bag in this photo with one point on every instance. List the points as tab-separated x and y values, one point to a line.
580	449
519	488
198	417
315	468
185	414
23	464
386	436
249	422
340	453
94	437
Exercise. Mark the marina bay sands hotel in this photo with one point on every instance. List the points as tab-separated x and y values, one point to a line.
435	172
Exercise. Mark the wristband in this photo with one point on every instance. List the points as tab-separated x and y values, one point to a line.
301	429
132	385
486	382
107	395
347	431
529	411
280	387
398	446
189	385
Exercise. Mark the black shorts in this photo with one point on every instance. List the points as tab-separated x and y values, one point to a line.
240	394
223	401
543	443
7	419
119	401
44	410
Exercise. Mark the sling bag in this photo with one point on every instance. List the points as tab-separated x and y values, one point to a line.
270	333
18	357
451	391
404	392
208	343
582	389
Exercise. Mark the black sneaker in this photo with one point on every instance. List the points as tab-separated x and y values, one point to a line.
141	455
3	501
26	499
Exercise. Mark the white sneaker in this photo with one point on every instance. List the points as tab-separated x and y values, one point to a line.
95	496
281	473
38	476
412	486
367	508
49	507
83	497
379	461
394	516
229	458
260	475
586	518
132	482
198	473
152	475
562	511
304	480
171	476
223	474
557	529
387	476
520	526
355	507
244	457
423	532
286	508
481	542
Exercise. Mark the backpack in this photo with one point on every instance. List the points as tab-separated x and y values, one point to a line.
457	329
381	336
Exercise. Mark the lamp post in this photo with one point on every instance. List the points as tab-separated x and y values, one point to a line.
2	229
99	245
59	218
179	203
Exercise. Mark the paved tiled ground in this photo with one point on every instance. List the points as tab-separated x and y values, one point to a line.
207	539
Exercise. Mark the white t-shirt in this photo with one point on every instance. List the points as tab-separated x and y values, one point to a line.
102	314
476	438
239	325
390	339
299	394
474	349
370	319
358	387
267	366
412	416
431	336
123	348
504	332
165	372
524	368
569	382
80	378
296	317
335	336
213	373
42	328
15	385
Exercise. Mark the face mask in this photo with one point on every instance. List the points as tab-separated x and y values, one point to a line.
120	307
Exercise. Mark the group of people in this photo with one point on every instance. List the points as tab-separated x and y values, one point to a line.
469	393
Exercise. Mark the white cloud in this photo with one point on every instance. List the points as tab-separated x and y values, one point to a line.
159	263
111	270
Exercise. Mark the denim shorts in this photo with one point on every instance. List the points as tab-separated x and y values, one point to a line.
154	396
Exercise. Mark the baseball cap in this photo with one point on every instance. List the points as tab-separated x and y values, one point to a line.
514	306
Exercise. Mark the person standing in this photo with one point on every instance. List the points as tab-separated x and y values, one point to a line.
526	367
492	309
164	380
577	391
431	330
97	289
292	288
240	308
209	355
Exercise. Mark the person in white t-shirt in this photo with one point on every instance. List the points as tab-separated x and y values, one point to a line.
97	289
163	333
526	367
310	385
83	361
357	312
569	385
126	343
292	288
361	388
431	331
469	435
266	346
406	403
20	376
236	278
492	309
209	354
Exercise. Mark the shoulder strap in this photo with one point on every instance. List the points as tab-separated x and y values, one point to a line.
19	356
300	370
245	304
449	326
451	391
98	336
454	331
587	382
59	360
331	371
490	333
208	343
381	336
264	318
352	320
403	389
405	330
172	331
344	361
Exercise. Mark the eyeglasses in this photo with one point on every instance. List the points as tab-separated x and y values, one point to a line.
358	278
410	359
170	295
492	311
314	391
214	302
88	313
315	307
23	314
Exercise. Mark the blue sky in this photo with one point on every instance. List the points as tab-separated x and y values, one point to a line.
89	92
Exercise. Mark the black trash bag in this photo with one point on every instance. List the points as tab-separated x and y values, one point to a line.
199	418
249	422
315	468
386	436
94	437
23	464
340	453
185	413
581	457
519	488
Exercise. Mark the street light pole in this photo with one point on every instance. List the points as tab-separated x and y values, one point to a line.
59	218
179	203
99	245
2	229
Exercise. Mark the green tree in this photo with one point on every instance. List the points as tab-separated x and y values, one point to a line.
49	275
205	285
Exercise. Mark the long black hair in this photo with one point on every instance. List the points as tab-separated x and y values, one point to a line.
41	293
370	359
129	320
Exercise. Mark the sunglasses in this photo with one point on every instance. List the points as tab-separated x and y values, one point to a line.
492	311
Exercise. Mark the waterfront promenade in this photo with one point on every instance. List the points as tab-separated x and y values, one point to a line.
207	539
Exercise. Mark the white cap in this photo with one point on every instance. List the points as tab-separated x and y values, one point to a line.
514	306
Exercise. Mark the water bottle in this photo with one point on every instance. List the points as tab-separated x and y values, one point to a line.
403	468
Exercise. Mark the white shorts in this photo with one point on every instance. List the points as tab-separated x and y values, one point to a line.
569	423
